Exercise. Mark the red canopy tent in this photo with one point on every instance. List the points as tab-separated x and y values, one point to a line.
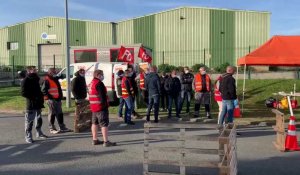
278	51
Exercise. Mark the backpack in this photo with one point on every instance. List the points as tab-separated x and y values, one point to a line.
269	102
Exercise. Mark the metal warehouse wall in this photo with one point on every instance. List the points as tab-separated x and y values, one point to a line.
4	54
28	35
187	36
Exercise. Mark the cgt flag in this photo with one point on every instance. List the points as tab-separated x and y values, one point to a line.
144	56
125	55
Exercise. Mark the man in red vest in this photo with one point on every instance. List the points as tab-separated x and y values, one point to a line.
142	79
53	94
128	96
99	107
202	88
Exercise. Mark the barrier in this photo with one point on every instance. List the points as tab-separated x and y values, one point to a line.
83	117
279	143
226	164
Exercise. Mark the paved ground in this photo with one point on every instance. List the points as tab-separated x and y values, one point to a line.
72	153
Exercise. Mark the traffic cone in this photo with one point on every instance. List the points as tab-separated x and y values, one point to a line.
291	142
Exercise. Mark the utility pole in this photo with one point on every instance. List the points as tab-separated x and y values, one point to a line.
68	96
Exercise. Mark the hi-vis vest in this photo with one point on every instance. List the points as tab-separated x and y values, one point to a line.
53	89
94	97
198	82
142	80
125	94
217	92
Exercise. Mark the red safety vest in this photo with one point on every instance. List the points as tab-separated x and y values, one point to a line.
198	82
94	97
217	93
125	94
142	80
53	89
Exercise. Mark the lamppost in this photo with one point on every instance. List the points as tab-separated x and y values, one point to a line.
68	95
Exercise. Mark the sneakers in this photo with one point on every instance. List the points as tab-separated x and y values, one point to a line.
97	142
54	131
64	129
29	140
108	144
41	136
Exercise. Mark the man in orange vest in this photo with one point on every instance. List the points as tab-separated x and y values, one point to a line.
53	94
128	95
202	87
142	79
99	106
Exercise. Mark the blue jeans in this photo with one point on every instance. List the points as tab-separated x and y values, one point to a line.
185	95
227	107
153	101
122	103
128	109
176	101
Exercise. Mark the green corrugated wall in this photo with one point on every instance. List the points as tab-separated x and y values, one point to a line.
17	34
4	54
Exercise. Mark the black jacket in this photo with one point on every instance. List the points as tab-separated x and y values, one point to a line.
227	87
46	87
153	84
133	83
78	87
173	86
31	90
186	81
162	83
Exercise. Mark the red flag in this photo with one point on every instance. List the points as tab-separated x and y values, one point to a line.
144	56
125	55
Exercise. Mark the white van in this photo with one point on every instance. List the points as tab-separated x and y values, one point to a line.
109	70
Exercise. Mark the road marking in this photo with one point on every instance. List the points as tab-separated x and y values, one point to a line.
7	148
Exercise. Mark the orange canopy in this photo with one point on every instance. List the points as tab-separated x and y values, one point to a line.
278	51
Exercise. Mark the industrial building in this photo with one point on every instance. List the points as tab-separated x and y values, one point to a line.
182	37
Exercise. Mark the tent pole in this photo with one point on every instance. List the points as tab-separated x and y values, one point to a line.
244	84
237	76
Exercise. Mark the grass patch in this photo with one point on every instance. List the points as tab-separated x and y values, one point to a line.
257	91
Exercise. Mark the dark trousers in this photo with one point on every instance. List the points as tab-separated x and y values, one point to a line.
30	116
153	102
185	95
174	98
145	96
121	105
55	111
164	100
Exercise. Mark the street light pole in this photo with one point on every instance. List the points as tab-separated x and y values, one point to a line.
68	95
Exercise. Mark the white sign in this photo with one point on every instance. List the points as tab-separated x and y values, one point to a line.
103	52
44	35
14	46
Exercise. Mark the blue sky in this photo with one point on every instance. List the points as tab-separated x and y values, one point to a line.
285	18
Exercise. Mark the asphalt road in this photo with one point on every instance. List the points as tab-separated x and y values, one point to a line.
71	153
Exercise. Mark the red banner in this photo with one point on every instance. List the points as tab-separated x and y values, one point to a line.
125	55
144	56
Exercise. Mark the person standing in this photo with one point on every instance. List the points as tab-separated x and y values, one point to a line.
186	88
78	86
120	75
173	87
228	93
142	82
163	95
53	94
131	77
128	95
31	91
217	96
153	87
99	106
202	88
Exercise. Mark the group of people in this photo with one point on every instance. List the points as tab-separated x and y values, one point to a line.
51	92
35	96
175	88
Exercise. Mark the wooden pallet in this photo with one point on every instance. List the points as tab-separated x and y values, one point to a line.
279	143
227	149
83	117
